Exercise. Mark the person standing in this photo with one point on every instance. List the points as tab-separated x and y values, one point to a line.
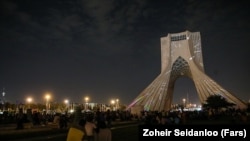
103	132
90	128
77	131
20	120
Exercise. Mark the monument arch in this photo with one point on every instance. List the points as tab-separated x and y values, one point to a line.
181	55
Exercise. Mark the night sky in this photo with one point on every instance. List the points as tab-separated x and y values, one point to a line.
108	49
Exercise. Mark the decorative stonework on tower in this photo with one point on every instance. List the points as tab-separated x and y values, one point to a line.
181	56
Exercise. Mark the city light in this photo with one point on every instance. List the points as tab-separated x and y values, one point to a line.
47	97
29	100
66	101
117	104
86	102
114	104
184	102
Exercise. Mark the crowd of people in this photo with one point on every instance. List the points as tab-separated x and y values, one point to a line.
92	127
96	125
228	116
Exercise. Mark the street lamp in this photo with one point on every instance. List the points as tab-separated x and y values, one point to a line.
112	104
117	104
47	97
86	102
66	101
29	100
184	102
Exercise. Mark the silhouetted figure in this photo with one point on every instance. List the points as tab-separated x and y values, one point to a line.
63	123
36	120
90	128
77	131
108	118
103	133
20	120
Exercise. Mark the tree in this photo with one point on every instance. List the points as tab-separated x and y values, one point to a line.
217	102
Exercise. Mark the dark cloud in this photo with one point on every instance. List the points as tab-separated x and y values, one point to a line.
112	47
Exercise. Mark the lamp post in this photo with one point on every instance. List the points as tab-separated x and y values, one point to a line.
3	100
86	102
112	104
184	102
47	97
117	104
66	101
29	100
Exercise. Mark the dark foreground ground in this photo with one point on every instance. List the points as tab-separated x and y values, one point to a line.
121	131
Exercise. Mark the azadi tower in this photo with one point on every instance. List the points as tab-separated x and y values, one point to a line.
181	55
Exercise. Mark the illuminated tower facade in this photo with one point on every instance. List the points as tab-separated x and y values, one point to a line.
181	56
